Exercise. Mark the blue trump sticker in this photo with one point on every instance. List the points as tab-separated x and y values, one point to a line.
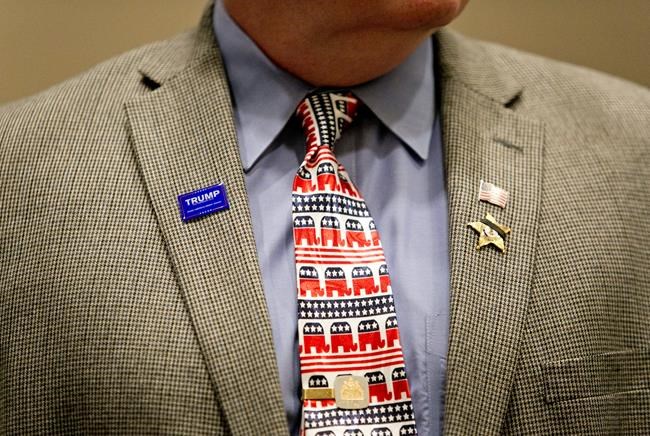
203	202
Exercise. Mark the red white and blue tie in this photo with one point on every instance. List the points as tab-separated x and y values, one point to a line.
352	367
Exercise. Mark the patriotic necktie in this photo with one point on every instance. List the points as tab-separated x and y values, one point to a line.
351	362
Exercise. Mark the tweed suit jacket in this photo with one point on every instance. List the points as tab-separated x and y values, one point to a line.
116	317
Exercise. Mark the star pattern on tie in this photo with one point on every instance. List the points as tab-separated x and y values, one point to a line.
346	311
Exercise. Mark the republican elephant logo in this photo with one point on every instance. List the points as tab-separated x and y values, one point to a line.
354	234
392	332
353	432
330	231
308	281
377	386
304	231
346	185
303	182
400	383
381	431
370	336
384	279
408	429
314	338
335	281
327	177
341	337
363	279
318	382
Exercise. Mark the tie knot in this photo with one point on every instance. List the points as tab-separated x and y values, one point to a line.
324	115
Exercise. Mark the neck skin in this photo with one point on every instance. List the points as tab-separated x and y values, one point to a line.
338	43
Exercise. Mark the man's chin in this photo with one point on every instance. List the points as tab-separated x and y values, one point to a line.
425	14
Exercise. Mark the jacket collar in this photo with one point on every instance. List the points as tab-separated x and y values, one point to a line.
464	60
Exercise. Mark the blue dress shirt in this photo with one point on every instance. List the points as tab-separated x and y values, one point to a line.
393	153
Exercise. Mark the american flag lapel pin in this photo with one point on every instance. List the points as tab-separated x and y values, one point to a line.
493	194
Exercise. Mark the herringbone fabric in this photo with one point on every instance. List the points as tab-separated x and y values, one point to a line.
115	317
347	325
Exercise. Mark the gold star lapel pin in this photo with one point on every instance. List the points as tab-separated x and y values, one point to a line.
490	232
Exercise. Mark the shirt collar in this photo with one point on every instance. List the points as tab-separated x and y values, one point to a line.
265	96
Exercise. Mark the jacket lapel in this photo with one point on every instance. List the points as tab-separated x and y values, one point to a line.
486	139
184	139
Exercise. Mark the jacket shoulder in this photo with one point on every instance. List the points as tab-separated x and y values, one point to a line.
91	98
560	93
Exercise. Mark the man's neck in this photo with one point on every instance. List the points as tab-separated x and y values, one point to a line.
330	45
